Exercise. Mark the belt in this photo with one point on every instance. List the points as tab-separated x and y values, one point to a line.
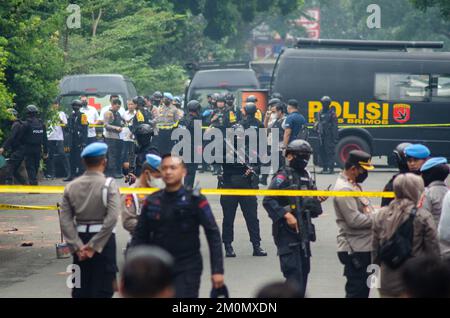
91	228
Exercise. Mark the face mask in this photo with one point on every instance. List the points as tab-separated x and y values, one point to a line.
298	164
326	107
156	183
167	103
84	103
362	177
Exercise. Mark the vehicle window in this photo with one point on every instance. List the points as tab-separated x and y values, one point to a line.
407	87
441	88
201	95
93	100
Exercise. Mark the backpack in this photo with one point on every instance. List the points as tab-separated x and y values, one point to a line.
398	248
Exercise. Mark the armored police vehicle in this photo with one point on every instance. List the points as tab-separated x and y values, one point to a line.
383	92
222	78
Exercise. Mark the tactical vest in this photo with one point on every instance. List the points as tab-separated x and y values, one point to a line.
117	121
35	132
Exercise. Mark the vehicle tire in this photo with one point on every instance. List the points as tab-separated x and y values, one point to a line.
348	144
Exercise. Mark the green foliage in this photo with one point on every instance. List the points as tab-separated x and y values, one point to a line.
442	5
347	19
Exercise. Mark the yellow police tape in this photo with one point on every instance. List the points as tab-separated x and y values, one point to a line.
27	207
226	192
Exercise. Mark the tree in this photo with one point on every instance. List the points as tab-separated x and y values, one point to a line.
442	5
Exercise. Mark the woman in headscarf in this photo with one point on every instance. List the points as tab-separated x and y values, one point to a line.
408	189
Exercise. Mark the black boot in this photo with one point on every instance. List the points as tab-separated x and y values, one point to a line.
258	251
229	252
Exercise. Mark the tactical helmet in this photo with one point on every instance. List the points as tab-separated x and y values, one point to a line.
77	103
400	156
139	101
250	108
251	99
229	97
221	98
215	96
326	99
299	147
157	95
177	101
194	106
143	134
277	95
31	109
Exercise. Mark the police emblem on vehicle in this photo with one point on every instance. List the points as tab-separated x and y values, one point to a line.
402	113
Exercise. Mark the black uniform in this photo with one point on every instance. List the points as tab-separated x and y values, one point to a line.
15	145
171	220
234	178
188	122
294	250
35	138
77	132
143	116
327	128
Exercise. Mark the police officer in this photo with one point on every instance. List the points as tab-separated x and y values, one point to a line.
143	115
188	122
89	213
258	114
35	139
149	178
354	217
168	119
292	227
144	147
244	175
15	146
77	129
229	99
171	219
327	128
221	118
400	159
416	156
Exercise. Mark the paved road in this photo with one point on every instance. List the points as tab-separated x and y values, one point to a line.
35	271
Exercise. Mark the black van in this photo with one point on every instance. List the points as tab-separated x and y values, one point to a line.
383	93
97	87
222	78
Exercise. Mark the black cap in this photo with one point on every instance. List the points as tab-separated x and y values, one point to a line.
361	159
293	103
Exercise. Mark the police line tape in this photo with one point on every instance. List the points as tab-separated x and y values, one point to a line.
339	126
225	192
28	207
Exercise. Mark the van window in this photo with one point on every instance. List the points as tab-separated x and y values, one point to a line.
441	88
402	87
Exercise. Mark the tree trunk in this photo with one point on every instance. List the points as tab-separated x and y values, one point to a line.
96	21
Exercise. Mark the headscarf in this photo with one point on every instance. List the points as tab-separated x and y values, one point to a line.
408	189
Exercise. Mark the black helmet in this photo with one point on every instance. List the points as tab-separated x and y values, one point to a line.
299	147
77	103
194	106
274	102
400	156
31	109
157	95
143	134
326	99
229	97
251	99
139	101
250	108
221	98
277	95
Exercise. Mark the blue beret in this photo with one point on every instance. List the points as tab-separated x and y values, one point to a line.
433	162
168	96
154	161
417	151
96	149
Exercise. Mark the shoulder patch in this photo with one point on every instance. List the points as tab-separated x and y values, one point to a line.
140	117
232	117
84	120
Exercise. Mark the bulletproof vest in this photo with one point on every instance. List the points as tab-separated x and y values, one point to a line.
117	119
35	132
176	224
